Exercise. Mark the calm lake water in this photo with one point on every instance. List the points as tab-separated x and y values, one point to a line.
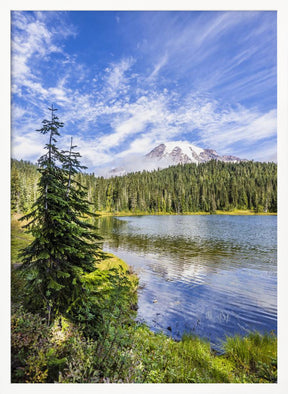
208	275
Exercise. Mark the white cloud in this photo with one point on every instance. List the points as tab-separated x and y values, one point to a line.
30	37
139	146
152	120
33	41
116	78
92	156
132	119
126	112
239	126
214	28
28	146
18	112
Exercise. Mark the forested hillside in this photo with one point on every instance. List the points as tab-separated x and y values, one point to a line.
205	187
24	179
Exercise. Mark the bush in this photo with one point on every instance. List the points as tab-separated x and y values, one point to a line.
35	356
91	343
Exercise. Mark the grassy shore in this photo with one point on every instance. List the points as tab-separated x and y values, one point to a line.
235	212
125	352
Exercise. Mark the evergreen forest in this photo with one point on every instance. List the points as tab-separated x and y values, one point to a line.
208	187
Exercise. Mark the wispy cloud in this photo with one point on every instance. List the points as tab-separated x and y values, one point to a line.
29	143
115	76
158	66
151	122
238	128
31	38
177	81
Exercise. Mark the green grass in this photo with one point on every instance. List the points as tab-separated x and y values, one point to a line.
251	359
255	356
19	239
244	212
111	261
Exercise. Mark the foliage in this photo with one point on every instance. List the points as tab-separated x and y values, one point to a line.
35	356
208	187
77	349
100	361
89	342
114	350
110	297
128	353
187	361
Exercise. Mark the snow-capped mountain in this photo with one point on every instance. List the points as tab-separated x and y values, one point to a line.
171	153
179	152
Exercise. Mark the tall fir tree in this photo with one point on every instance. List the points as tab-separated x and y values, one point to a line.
64	245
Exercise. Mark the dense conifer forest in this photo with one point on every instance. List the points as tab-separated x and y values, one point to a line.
185	188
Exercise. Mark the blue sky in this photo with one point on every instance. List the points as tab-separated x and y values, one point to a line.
124	82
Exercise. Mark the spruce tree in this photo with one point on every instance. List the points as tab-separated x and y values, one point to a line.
15	188
64	246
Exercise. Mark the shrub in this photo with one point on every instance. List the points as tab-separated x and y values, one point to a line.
38	352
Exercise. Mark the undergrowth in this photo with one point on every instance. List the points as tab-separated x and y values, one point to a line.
127	353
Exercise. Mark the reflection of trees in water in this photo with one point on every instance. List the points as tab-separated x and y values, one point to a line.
193	279
183	252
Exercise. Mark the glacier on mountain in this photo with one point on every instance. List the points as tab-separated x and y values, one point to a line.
171	153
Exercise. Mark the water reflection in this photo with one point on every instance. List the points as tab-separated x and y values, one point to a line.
212	275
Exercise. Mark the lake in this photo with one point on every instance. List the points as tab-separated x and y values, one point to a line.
210	275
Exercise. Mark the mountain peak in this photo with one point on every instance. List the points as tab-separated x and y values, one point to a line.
182	152
172	153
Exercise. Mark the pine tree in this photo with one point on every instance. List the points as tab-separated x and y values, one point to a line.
15	188
64	246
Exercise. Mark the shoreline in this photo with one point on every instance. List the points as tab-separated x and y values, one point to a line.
228	213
